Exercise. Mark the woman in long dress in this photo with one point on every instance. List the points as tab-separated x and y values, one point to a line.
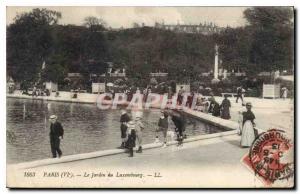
248	134
225	106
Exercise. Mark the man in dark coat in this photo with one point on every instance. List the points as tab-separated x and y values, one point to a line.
239	92
180	95
56	134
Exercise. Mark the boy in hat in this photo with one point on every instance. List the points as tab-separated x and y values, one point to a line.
124	120
56	134
163	126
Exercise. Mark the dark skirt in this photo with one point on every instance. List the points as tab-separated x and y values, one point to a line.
225	113
123	131
130	143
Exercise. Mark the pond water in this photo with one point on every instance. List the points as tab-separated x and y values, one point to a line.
87	128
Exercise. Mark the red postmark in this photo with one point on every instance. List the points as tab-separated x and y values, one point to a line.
266	156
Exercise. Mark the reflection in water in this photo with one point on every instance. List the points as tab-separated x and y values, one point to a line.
24	111
87	128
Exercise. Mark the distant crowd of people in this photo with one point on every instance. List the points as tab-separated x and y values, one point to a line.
206	104
37	92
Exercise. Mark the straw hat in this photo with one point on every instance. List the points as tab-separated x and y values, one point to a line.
53	117
123	112
249	104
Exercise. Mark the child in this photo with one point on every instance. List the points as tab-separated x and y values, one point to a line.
163	126
179	123
139	128
123	120
131	134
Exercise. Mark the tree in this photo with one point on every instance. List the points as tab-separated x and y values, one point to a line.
94	23
38	17
272	37
135	25
53	72
265	44
235	44
29	43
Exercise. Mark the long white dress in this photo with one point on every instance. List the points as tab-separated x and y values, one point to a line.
248	135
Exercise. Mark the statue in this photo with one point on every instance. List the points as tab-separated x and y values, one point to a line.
216	68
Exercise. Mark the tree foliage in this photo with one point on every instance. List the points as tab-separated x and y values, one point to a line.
29	42
264	44
272	37
144	50
94	23
35	37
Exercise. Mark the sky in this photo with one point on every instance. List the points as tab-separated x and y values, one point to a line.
117	17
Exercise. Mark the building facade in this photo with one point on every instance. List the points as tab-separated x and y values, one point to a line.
206	28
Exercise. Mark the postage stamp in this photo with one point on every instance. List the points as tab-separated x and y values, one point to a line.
268	156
